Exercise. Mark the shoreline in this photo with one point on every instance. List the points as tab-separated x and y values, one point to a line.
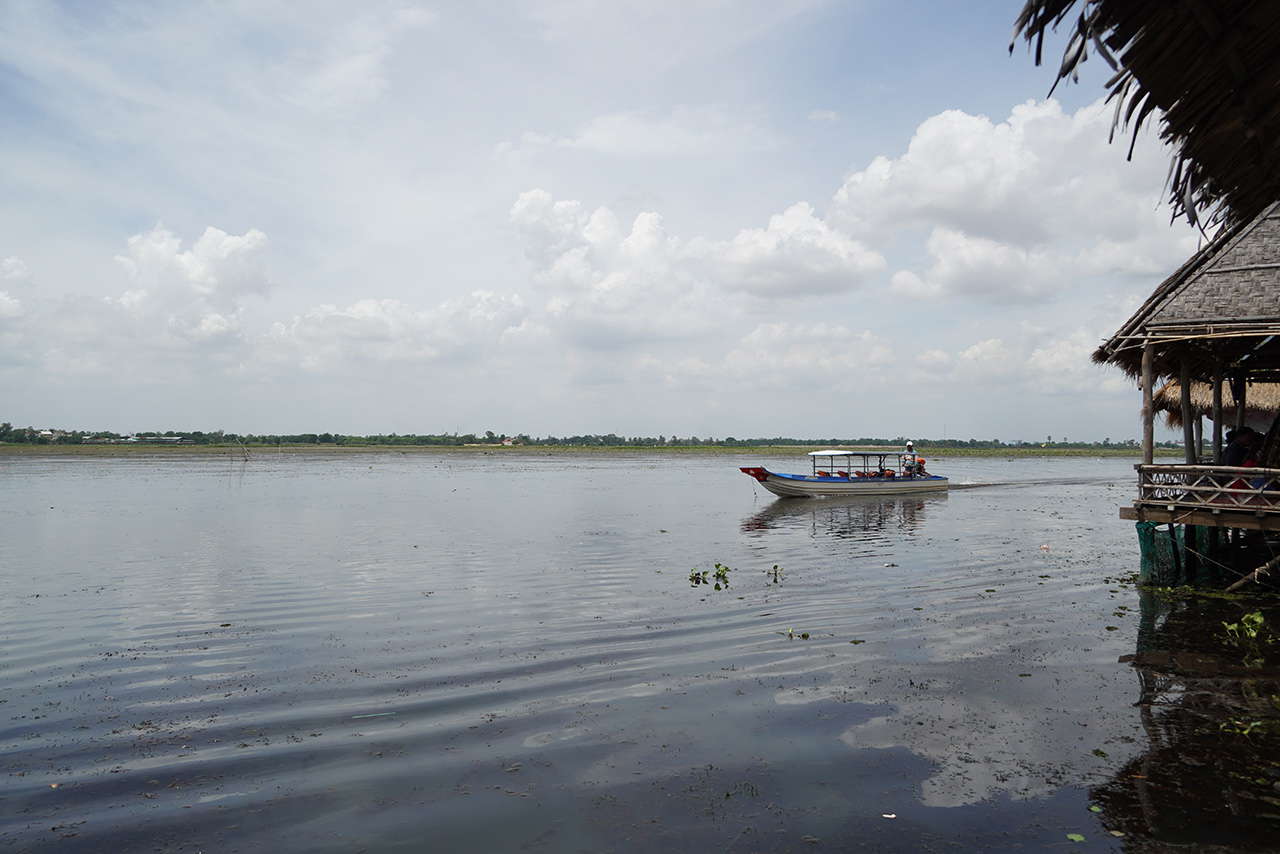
121	450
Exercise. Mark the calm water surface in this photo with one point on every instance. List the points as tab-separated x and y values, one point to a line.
384	651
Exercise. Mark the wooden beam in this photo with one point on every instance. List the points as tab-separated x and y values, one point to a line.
1243	519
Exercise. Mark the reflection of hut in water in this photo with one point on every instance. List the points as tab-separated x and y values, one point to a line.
1207	775
1207	73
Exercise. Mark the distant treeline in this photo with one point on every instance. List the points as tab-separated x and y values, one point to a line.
30	435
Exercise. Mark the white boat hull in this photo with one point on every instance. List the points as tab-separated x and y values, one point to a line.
798	485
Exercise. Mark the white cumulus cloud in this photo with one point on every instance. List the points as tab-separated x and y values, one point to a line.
195	293
986	269
601	280
796	255
825	355
14	270
1016	210
391	331
604	285
10	307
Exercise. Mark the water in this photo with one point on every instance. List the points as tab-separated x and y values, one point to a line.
383	651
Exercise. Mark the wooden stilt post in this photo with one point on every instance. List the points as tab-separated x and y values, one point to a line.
1173	552
1190	542
1241	391
1215	547
1217	416
1148	405
1188	427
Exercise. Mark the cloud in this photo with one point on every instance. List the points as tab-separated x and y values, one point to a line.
15	271
985	269
10	308
193	294
600	280
828	117
1016	210
907	284
989	358
603	286
349	74
934	361
632	136
183	312
685	132
218	268
15	274
796	255
958	170
791	354
1028	361
786	356
388	332
188	310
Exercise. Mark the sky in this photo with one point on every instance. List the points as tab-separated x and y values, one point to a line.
714	218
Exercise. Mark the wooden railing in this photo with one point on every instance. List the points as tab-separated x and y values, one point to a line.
1209	487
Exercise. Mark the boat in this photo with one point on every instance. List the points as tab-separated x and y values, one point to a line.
853	473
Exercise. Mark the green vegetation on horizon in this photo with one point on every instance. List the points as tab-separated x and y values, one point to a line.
32	436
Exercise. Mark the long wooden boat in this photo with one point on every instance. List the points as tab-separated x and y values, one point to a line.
853	473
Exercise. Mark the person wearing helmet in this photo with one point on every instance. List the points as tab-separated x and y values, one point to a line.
910	463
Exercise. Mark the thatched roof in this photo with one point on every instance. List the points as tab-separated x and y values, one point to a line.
1262	402
1220	309
1208	69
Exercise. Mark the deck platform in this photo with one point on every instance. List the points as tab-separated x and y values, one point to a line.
1210	496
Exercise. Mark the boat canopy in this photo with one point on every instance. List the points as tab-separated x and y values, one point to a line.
834	463
862	453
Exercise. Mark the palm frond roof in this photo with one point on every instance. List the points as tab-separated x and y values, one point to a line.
1208	69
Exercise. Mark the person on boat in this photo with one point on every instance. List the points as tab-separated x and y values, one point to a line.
911	464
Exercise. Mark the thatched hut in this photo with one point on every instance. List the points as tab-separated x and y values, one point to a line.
1211	334
1209	72
1261	405
1214	321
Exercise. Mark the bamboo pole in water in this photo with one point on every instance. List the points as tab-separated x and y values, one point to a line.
1256	575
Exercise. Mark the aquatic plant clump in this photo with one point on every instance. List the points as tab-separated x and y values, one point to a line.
719	579
1250	636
